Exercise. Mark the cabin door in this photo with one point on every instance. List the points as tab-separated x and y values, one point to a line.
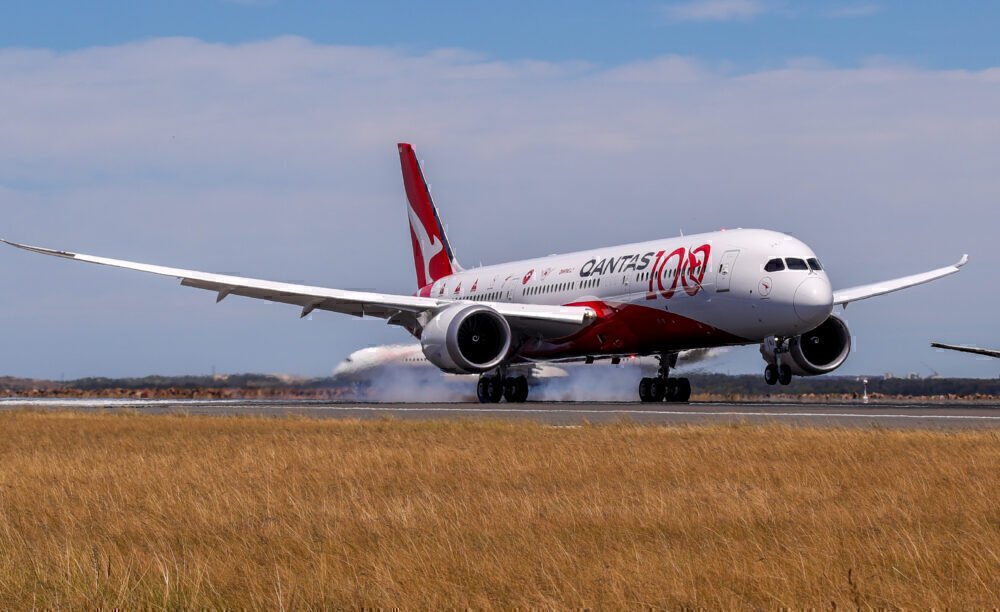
725	271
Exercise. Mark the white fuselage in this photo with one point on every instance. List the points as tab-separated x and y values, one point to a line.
699	290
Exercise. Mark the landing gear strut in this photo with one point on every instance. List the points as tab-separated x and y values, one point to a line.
492	387
661	387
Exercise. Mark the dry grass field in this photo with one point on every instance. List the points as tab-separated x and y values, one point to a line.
174	511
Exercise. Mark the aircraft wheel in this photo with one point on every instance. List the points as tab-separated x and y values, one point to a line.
509	389
495	389
670	390
521	386
515	389
657	390
771	374
683	390
489	390
645	387
784	374
483	390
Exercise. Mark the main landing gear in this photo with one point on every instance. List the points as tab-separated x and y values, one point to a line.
661	387
492	387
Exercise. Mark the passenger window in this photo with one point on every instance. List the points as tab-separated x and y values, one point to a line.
814	264
794	263
775	265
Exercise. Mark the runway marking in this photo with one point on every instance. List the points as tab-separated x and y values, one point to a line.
762	409
667	412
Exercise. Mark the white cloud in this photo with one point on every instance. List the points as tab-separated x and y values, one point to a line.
714	10
277	159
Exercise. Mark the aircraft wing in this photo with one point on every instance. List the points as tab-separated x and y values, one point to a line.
398	309
967	349
864	292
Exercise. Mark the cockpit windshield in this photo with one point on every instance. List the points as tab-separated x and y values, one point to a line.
792	263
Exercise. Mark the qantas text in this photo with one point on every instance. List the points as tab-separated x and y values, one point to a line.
687	267
610	265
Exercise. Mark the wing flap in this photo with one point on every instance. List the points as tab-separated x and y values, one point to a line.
863	292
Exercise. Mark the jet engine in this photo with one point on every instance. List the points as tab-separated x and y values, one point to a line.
466	339
819	351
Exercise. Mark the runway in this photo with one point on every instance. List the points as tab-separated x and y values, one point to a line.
889	415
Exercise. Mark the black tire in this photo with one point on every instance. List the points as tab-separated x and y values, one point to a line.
771	374
657	390
515	389
482	390
683	390
521	385
784	374
670	390
510	390
494	388
645	386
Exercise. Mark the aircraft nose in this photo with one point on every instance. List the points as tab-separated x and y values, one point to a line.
813	300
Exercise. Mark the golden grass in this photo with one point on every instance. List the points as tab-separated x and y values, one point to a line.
173	511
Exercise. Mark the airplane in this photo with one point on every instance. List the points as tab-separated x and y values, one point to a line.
967	349
655	298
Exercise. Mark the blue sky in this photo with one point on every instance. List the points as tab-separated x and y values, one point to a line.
745	33
262	141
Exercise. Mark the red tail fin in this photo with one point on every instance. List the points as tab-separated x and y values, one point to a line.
432	254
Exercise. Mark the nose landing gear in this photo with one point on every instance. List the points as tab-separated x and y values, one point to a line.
778	372
663	388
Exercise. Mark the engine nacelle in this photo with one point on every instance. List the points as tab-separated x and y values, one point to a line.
819	351
466	339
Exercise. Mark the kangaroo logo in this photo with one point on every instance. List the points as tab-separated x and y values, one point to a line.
429	246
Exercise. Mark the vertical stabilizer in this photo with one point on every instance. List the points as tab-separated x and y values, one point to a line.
432	255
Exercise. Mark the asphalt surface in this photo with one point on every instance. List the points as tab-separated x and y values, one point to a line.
882	414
